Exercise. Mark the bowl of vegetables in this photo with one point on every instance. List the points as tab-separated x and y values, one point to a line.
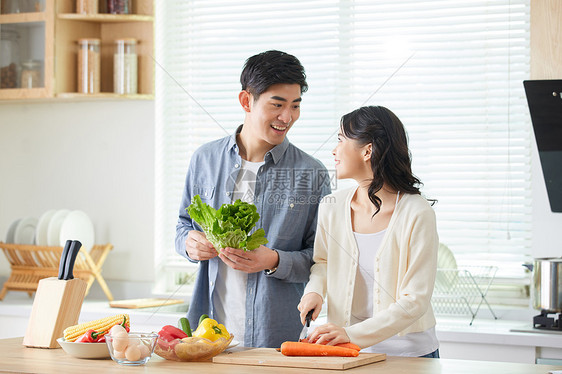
181	344
133	348
87	340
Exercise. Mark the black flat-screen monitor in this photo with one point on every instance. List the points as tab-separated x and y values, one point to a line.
544	98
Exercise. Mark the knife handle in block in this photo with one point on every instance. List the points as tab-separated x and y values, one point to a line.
73	252
63	257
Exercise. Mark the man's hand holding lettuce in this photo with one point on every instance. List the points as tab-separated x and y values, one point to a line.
230	225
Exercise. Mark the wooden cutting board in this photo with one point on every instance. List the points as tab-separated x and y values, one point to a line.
143	303
271	357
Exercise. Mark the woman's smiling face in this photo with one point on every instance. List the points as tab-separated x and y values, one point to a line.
350	158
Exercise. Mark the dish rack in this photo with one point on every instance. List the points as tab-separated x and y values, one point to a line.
31	263
463	291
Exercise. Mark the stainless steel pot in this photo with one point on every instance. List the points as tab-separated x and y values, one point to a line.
546	292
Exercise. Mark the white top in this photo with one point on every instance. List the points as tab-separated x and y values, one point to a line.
230	301
362	306
413	344
245	187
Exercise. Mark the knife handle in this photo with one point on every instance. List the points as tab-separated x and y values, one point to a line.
74	249
309	317
63	257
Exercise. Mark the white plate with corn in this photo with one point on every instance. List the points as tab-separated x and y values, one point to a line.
84	350
75	343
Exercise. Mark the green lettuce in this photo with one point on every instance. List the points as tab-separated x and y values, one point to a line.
230	225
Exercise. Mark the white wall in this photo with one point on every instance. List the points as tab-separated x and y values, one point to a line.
94	156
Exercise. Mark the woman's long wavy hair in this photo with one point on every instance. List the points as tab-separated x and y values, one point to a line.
391	160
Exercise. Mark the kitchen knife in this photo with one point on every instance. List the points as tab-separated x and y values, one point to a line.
304	332
63	256
72	253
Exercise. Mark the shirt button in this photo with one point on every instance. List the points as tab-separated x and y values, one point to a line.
211	283
228	194
249	321
236	166
292	205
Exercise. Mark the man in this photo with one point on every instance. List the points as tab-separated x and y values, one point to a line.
255	293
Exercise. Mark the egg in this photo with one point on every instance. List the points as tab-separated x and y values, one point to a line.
120	342
119	354
117	330
144	350
133	353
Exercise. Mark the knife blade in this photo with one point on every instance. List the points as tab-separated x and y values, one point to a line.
304	332
72	253
63	256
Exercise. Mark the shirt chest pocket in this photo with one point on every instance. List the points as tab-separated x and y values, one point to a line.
205	192
291	221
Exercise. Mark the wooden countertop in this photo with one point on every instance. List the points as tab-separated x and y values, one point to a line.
14	357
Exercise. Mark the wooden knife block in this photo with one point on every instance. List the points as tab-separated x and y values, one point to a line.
56	306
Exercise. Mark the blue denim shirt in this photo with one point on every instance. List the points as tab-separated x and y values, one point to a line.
289	187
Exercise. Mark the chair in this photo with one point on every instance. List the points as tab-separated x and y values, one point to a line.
31	263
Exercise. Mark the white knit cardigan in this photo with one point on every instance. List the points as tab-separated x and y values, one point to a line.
404	268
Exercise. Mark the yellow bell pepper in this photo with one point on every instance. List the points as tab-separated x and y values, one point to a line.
211	329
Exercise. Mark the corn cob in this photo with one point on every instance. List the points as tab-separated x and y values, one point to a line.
103	324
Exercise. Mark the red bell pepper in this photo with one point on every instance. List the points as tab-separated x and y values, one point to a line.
91	336
169	336
169	333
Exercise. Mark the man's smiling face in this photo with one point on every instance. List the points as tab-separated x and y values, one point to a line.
274	112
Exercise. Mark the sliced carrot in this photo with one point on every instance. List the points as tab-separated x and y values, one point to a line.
343	345
310	349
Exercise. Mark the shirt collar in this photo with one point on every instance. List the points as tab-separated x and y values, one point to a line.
276	152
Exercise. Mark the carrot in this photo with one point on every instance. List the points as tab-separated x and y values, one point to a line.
349	345
310	349
343	345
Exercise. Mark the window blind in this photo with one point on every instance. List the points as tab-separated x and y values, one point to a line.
451	71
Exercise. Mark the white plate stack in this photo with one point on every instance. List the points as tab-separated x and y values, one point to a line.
53	229
22	231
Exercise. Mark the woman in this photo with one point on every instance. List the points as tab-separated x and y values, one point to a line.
376	244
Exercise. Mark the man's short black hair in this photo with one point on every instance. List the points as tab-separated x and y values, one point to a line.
271	67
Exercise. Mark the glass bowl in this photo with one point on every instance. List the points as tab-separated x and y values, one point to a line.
191	348
134	349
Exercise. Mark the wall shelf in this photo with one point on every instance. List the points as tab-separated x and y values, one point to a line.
51	37
106	17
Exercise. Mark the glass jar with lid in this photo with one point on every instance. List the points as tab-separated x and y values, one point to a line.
31	74
125	67
9	58
89	66
119	7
